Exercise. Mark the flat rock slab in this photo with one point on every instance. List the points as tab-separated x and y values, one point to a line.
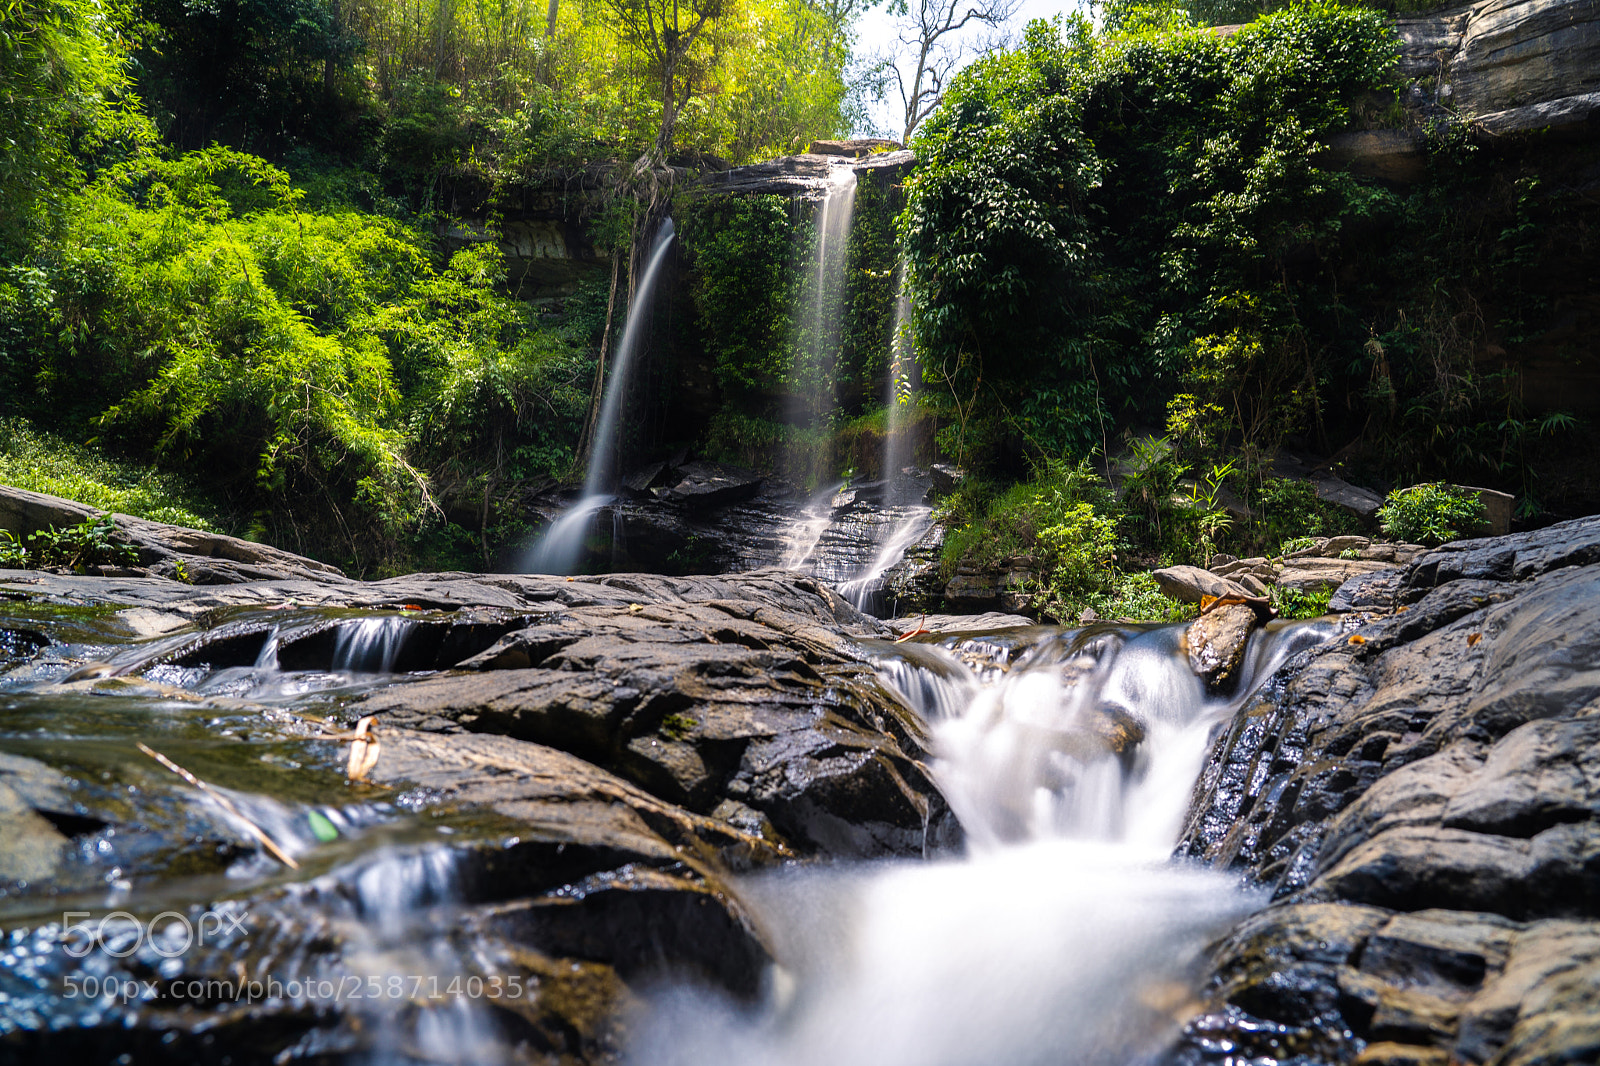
959	623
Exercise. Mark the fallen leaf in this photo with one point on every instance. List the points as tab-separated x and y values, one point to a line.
635	608
1357	638
1473	638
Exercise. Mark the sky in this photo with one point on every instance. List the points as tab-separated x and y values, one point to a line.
876	33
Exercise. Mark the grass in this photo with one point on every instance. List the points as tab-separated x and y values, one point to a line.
40	461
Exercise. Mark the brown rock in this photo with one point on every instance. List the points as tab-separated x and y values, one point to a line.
1216	642
1190	584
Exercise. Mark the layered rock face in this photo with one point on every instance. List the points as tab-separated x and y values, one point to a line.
1422	800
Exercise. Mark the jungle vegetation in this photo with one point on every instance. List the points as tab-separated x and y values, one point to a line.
232	254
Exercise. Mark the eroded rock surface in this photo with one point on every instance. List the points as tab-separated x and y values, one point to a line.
1422	798
568	772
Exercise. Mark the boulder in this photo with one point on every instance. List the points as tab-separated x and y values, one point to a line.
1216	642
706	484
1497	510
1190	583
946	478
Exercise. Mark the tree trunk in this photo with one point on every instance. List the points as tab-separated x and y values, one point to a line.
550	24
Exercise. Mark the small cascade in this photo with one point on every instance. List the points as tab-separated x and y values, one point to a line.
401	903
370	646
1065	934
267	657
905	526
802	537
560	549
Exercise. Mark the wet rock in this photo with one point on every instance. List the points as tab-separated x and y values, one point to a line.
946	478
1190	583
1434	770
706	484
1216	642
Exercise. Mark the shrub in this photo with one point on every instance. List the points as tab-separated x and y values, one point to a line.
1431	513
43	462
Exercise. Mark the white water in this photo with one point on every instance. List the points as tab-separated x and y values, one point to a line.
560	548
802	538
904	531
816	357
400	947
1064	936
369	646
903	379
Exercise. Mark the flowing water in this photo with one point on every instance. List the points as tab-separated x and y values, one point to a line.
1064	934
900	395
560	549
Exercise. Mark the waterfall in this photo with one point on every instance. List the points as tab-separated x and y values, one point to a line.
814	389
398	945
369	646
1064	934
902	389
908	520
560	548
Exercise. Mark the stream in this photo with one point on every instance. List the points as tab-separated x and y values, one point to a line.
1065	933
1059	932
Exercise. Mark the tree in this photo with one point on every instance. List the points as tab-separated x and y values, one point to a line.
667	32
63	76
932	31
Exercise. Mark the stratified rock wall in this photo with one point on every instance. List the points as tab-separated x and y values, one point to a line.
1422	798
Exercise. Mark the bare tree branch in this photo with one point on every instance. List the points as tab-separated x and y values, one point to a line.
931	31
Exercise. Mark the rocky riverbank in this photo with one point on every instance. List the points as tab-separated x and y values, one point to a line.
600	754
1422	797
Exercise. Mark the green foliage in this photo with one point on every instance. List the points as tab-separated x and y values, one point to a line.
63	102
310	361
1137	597
91	542
745	289
40	461
1091	217
1431	513
1300	603
1289	508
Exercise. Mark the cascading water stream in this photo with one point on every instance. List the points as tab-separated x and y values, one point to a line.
1065	935
560	548
902	387
814	395
370	646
